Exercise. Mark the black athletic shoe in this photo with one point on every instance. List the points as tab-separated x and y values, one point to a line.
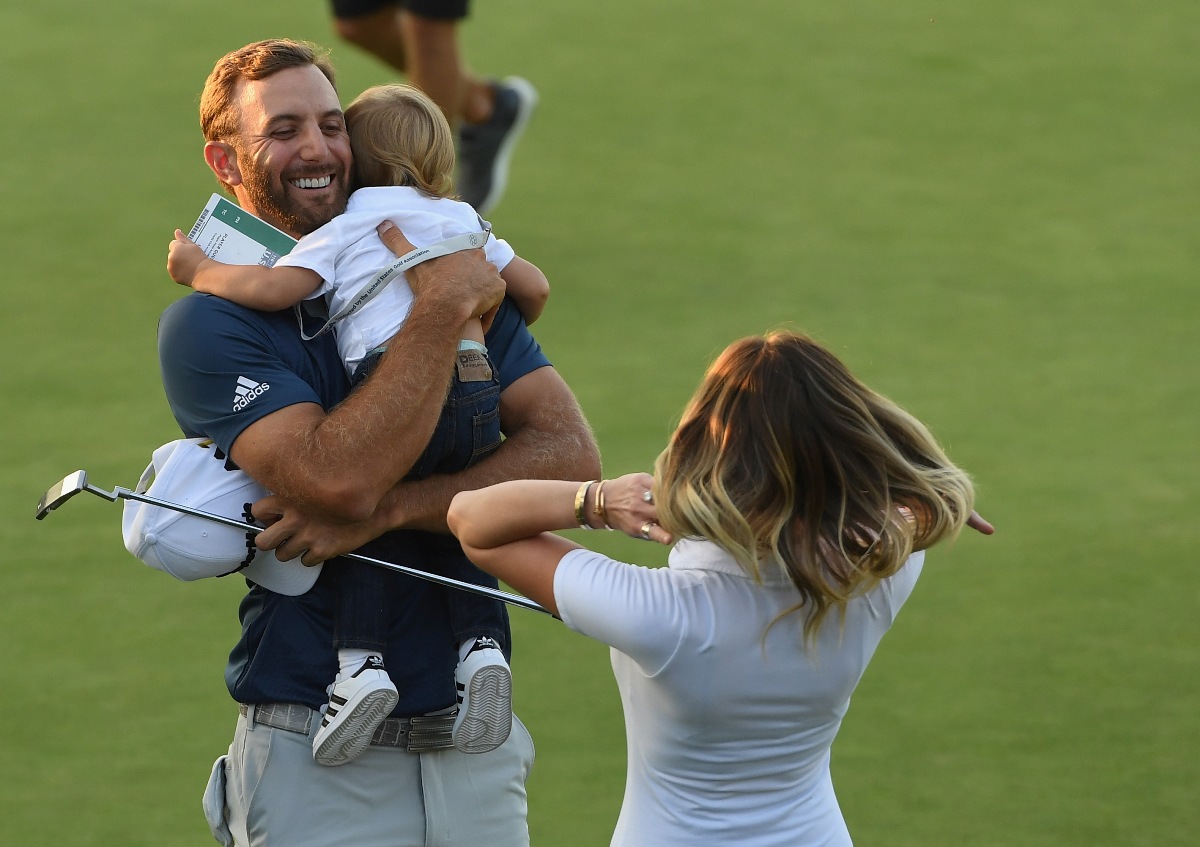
485	149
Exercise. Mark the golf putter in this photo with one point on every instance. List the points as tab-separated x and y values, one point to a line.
74	483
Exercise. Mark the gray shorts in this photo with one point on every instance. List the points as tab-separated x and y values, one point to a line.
275	795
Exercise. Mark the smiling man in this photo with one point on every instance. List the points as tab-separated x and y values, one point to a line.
275	137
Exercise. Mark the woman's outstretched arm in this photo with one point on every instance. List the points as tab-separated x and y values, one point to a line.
508	529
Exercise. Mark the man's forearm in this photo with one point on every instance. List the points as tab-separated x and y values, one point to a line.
383	426
558	444
563	451
342	463
369	442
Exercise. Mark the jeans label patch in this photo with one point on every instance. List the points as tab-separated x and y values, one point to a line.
473	366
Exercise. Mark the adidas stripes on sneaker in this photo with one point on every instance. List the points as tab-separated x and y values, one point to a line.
357	705
484	684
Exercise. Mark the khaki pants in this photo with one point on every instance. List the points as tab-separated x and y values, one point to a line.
275	795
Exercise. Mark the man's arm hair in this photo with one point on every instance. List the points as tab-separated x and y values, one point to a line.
343	463
547	437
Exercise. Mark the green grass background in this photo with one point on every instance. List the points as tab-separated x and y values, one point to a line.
990	210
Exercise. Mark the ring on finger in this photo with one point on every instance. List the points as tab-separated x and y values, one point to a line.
646	529
648	496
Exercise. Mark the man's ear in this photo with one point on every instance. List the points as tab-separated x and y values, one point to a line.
222	159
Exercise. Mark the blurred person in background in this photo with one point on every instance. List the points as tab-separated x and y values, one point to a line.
419	38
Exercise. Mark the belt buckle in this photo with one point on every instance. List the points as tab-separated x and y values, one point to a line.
430	732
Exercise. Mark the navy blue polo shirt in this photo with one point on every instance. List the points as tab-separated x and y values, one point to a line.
225	367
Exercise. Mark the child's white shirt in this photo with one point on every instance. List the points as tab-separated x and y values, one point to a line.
347	253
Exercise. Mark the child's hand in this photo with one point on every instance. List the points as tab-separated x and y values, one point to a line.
183	259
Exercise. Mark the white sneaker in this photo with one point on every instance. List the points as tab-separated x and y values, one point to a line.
357	705
484	684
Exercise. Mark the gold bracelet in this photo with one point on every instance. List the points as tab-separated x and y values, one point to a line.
580	497
598	508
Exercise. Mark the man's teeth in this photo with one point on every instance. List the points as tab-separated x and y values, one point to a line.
319	182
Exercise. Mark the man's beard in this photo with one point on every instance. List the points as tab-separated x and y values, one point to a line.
273	203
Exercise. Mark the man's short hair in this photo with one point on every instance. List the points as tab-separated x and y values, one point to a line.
219	117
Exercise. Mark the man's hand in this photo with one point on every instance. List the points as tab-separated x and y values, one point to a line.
291	532
465	282
340	464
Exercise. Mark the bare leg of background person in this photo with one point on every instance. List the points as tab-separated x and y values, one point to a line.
488	116
378	33
435	65
427	52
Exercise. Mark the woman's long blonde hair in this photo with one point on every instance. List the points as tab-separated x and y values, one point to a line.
782	453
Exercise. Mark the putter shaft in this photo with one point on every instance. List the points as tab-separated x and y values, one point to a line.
76	482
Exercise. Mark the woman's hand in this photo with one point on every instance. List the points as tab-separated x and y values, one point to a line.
978	523
627	504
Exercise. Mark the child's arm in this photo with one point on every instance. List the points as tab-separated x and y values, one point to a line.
253	286
528	286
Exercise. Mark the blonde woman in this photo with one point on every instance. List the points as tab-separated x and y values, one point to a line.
403	168
802	502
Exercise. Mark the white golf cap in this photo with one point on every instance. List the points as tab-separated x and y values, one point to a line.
189	472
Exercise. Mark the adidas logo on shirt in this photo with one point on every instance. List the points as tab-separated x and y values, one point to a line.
247	390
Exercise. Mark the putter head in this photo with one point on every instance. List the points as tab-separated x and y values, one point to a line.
61	492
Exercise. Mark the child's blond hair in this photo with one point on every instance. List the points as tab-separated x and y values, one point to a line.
400	137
